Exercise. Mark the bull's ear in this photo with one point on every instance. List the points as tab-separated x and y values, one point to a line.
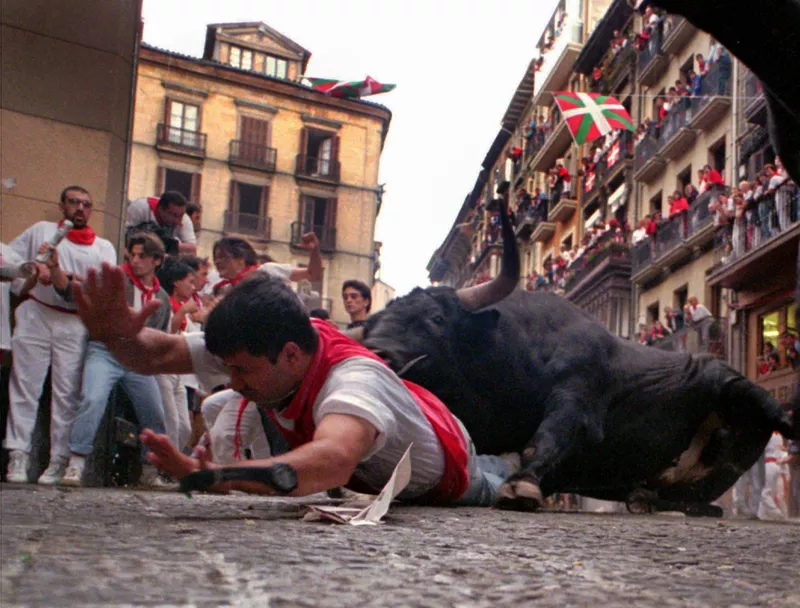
486	319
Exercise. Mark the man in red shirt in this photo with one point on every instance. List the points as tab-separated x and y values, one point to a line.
677	204
712	177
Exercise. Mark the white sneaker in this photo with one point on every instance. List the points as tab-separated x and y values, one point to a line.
52	474
17	467
74	472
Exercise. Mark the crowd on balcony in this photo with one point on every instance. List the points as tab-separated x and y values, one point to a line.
680	202
694	315
550	38
755	210
787	354
558	271
688	88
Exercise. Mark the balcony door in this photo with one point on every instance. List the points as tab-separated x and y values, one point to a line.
319	216
253	134
184	182
320	150
183	123
248	208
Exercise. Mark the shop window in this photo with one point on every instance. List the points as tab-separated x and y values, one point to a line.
777	344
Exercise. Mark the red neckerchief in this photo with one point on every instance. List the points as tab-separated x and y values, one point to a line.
153	202
176	306
80	236
147	294
197	300
237	279
335	347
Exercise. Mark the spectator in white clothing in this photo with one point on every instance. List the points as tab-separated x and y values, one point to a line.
49	334
168	214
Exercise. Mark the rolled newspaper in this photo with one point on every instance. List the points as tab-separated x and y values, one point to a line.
65	227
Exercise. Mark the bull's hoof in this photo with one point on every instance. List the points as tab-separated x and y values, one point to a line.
522	495
640	502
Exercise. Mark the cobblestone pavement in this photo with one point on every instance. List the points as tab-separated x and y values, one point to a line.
102	547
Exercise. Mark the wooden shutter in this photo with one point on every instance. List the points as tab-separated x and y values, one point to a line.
253	136
194	196
335	167
232	204
161	178
264	200
303	168
328	236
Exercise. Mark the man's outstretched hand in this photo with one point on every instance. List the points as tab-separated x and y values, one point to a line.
103	306
167	458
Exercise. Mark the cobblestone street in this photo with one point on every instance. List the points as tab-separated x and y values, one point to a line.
100	547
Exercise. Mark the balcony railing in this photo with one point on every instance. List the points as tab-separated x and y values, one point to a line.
772	216
706	337
193	142
325	234
252	155
584	265
323	168
754	104
248	223
652	57
673	234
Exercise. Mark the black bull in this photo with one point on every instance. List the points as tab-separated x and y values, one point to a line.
588	412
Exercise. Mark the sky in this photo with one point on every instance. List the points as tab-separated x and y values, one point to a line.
456	64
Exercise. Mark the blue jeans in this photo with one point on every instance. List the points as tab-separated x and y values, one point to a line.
486	474
101	372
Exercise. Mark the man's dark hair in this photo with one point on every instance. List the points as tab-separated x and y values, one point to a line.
63	197
192	207
169	242
172	271
191	260
319	313
237	248
361	288
260	315
151	244
171	197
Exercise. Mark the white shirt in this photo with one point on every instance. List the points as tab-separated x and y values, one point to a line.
73	258
8	256
369	390
699	313
139	212
638	235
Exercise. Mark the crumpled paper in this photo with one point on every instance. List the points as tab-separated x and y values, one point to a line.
372	514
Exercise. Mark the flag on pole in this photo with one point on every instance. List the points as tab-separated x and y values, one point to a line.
349	89
592	115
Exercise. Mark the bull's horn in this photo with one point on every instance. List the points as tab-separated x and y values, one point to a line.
486	294
357	333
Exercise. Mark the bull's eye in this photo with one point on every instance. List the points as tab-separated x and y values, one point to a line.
438	319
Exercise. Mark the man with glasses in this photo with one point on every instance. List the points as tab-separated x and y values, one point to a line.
49	334
168	213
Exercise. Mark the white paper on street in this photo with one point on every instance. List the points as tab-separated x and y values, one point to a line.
375	511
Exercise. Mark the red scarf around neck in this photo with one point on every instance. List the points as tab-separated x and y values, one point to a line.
176	306
237	279
80	236
147	293
153	202
334	347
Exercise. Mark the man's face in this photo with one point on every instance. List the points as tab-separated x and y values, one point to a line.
257	379
77	207
354	302
201	278
197	222
142	265
172	214
184	289
227	266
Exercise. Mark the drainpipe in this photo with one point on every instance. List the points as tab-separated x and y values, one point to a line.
129	143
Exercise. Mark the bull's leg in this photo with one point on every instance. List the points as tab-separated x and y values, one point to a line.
641	502
565	427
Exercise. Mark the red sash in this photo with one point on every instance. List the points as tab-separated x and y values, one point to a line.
80	236
237	279
335	347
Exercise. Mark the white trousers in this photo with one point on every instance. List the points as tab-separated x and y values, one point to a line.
773	496
176	409
44	338
220	412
